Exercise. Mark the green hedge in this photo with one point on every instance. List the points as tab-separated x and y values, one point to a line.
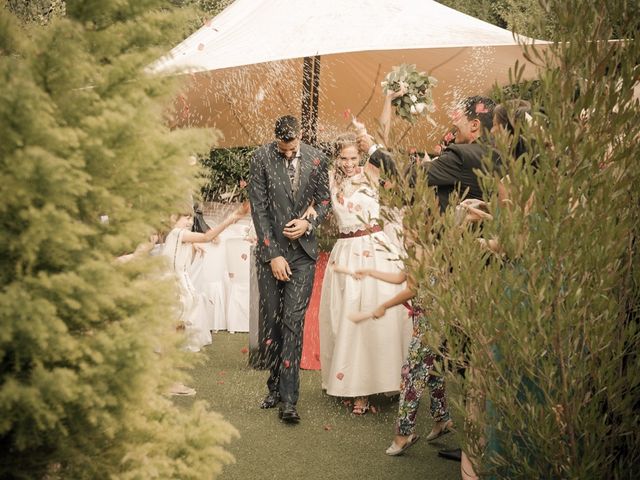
226	170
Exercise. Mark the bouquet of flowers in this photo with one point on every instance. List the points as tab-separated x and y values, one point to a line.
416	98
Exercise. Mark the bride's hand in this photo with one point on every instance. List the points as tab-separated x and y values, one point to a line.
393	94
309	214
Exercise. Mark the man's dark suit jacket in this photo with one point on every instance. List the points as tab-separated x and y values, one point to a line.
453	171
273	203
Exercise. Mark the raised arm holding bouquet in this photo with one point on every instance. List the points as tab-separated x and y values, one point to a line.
411	91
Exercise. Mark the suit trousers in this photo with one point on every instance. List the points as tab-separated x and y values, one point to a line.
282	307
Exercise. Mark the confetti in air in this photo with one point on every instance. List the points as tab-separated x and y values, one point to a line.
481	108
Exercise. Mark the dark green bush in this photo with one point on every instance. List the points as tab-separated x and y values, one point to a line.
226	171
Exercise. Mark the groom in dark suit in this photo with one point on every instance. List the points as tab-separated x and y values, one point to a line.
286	177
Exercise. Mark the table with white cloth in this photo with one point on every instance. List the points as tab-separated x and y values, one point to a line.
222	276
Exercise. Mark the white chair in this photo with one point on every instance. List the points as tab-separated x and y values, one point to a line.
238	268
208	274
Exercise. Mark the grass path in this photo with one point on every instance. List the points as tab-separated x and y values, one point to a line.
329	443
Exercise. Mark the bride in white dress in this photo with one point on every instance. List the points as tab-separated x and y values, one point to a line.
359	359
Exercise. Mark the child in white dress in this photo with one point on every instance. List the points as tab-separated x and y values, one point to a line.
179	248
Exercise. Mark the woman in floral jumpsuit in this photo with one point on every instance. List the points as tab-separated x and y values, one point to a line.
417	371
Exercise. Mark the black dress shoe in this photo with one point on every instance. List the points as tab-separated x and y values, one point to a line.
288	413
454	454
270	400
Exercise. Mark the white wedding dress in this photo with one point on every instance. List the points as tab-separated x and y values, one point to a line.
364	358
194	311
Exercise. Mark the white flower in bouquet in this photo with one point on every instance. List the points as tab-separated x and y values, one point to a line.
417	108
417	98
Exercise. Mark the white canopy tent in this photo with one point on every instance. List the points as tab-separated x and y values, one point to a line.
260	59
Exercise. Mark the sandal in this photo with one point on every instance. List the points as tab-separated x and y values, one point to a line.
395	449
360	408
179	389
446	428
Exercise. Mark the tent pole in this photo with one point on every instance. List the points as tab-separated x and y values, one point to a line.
310	98
314	100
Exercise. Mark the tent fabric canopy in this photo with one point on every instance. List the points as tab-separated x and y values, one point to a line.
257	31
247	64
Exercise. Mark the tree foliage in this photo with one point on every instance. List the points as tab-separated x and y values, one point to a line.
516	15
226	171
549	327
36	11
87	346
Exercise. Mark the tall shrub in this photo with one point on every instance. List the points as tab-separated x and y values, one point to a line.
86	344
549	326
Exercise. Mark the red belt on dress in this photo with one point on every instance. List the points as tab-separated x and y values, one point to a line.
361	233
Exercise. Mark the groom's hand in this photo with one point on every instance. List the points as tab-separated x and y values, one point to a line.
280	268
295	228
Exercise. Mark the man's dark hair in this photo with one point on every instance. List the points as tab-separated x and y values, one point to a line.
480	108
287	128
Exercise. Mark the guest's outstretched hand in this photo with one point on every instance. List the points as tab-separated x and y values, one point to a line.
243	210
379	311
199	249
357	317
365	142
359	126
474	210
360	274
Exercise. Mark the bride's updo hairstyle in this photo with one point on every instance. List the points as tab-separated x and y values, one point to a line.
344	140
